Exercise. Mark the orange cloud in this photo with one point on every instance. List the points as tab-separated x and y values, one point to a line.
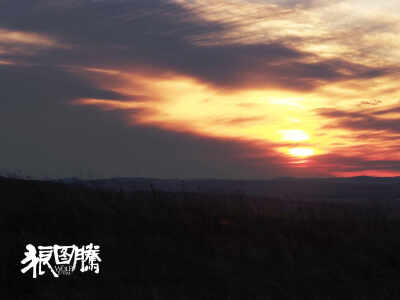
316	83
22	37
23	43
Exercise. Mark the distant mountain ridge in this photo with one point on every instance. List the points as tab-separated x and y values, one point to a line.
353	189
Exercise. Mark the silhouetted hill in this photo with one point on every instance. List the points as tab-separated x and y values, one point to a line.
197	245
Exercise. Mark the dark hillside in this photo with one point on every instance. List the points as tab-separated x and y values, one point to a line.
176	245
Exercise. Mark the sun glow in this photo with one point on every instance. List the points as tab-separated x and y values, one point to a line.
297	132
294	135
301	152
184	104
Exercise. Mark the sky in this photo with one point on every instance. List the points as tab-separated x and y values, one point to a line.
241	89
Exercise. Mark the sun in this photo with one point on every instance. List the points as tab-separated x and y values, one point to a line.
301	152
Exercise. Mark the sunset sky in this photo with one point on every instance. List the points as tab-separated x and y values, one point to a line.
248	89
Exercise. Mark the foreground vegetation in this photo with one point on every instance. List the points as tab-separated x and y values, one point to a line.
158	245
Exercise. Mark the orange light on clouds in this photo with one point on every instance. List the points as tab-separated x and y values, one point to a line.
29	38
186	105
370	173
284	118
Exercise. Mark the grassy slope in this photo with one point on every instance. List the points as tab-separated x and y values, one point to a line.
193	246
